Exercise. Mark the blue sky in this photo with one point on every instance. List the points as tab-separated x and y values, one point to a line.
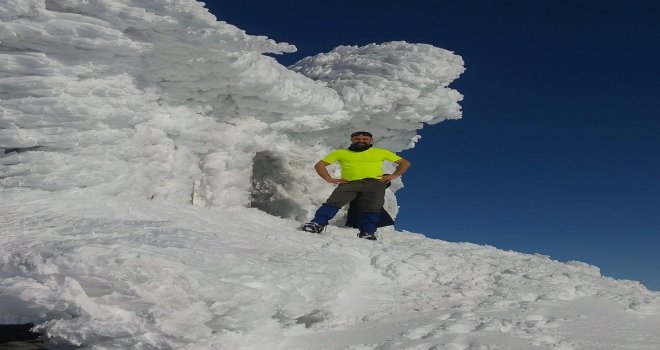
558	151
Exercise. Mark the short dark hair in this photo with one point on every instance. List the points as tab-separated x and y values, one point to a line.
363	133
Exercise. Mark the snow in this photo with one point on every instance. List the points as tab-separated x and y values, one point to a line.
134	273
137	140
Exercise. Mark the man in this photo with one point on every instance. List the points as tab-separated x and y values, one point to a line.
361	175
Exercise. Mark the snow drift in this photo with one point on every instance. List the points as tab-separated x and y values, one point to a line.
137	138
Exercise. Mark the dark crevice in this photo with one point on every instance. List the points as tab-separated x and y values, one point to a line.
21	337
312	318
270	180
22	149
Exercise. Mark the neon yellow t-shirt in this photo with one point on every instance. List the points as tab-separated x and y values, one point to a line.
361	165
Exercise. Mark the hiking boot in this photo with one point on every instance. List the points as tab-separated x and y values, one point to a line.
367	235
312	227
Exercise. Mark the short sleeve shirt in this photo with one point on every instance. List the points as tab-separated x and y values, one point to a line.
361	165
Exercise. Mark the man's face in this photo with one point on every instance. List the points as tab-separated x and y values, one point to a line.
361	140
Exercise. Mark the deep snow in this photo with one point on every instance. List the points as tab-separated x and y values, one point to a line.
137	139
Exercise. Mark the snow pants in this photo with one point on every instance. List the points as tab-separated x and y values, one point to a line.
372	198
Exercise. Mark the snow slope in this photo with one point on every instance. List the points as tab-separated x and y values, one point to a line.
139	137
132	273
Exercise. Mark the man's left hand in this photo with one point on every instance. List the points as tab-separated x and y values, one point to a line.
388	178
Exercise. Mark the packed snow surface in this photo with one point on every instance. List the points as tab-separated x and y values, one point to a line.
130	273
154	165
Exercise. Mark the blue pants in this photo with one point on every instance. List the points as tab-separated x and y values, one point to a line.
372	198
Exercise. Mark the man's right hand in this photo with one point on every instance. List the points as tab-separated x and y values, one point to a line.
337	181
320	168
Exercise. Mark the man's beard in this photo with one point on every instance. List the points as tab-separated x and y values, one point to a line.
359	147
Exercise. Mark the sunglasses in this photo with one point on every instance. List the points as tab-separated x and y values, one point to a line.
361	133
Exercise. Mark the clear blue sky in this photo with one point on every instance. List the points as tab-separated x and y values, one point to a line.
558	151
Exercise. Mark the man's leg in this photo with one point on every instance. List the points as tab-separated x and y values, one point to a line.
372	200
369	222
324	214
341	196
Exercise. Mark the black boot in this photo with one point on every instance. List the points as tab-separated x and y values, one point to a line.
367	235
312	227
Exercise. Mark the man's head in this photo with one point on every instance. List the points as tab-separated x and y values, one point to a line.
362	138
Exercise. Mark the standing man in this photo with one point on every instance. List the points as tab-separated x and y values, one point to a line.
361	175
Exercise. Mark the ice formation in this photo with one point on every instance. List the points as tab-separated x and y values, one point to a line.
159	99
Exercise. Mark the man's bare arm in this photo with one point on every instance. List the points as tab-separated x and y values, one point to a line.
402	167
321	169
